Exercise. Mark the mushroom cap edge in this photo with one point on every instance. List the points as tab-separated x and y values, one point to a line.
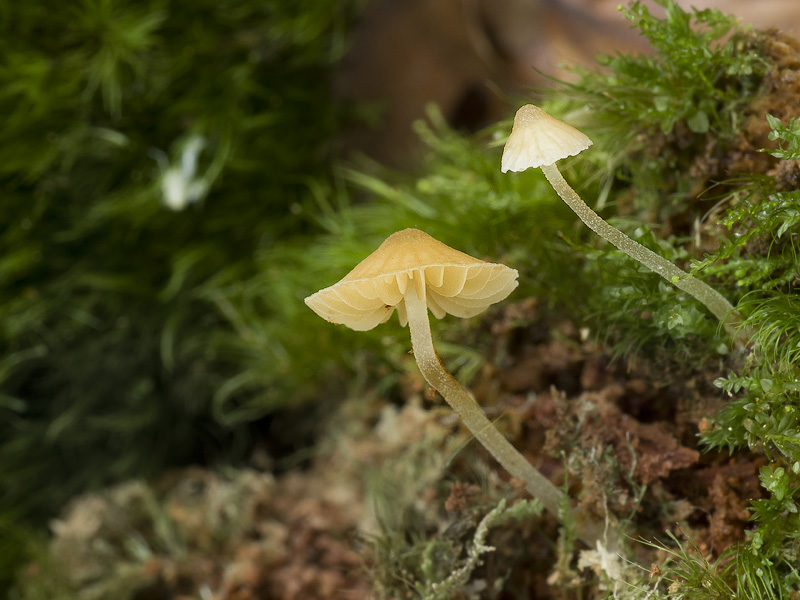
456	283
538	139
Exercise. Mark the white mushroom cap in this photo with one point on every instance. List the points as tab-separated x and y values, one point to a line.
538	139
450	281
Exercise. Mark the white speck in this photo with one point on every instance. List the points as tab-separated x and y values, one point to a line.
179	186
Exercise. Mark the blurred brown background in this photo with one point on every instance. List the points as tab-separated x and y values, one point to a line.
471	57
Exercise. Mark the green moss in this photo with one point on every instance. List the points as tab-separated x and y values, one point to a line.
656	113
756	234
115	251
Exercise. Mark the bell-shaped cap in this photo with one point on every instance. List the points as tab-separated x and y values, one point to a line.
450	281
538	139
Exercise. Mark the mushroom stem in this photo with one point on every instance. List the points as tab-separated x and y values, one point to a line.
712	299
476	421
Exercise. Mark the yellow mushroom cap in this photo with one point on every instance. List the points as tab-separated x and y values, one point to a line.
450	281
538	139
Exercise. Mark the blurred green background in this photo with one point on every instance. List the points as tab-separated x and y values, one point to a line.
152	155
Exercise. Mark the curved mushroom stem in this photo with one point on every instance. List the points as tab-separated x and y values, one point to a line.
484	431
713	300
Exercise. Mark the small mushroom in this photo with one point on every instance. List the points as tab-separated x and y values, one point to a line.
413	272
539	140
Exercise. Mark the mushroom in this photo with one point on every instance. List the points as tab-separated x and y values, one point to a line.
413	272
539	140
